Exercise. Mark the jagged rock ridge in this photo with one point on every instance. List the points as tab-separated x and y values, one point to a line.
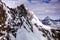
20	18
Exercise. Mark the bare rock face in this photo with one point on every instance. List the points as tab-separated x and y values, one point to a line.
13	19
2	14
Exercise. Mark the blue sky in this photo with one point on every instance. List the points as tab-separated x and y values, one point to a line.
41	8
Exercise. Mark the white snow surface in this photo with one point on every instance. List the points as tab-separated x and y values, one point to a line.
23	34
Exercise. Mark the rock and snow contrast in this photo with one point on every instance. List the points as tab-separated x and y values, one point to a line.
50	22
47	21
21	24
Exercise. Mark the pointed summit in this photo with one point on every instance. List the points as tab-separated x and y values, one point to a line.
22	10
21	6
47	21
47	18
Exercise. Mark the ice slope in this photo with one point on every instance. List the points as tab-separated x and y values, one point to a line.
22	24
23	34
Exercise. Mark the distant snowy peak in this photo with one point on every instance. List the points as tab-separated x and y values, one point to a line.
47	21
50	22
47	18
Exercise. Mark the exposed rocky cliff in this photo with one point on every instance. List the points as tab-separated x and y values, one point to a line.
21	21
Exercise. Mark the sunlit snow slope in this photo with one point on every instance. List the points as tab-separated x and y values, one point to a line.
21	24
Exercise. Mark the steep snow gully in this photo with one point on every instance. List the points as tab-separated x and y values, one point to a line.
21	24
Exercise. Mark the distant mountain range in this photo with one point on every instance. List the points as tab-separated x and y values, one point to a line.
51	22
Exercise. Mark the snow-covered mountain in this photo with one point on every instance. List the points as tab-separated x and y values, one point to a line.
51	22
47	21
21	24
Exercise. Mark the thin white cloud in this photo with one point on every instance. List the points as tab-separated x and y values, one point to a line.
43	8
37	6
54	0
